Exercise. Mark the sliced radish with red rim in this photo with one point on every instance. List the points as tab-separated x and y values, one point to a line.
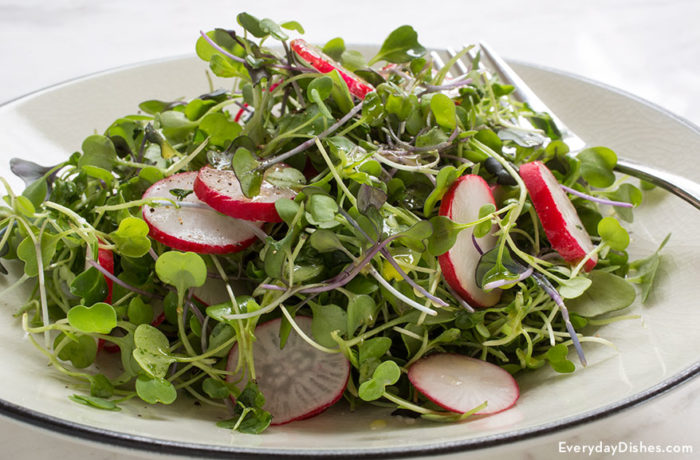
324	64
298	381
221	190
195	226
560	221
461	203
459	383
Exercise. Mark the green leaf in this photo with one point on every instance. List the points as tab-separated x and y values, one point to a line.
626	193
334	48
100	318
387	373
219	128
284	177
643	271
570	289
321	211
613	234
445	178
90	285
400	46
100	386
287	209
36	192
272	28
248	413
155	390
597	165
444	235
96	402
557	357
484	228
152	351
98	151
215	389
607	293
131	238
415	237
373	109
361	310
245	166
251	24
375	347
79	349
139	312
325	241
26	252
323	85
293	25
444	111
181	269
327	319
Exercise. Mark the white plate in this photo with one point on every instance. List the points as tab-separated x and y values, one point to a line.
653	354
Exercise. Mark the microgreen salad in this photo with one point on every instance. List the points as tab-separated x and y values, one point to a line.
325	227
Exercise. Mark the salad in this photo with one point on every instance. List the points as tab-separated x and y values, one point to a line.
325	227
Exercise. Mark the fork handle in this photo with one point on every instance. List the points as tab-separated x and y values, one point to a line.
680	186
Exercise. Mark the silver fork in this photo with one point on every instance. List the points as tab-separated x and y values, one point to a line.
682	187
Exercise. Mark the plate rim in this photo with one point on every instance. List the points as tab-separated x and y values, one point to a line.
127	441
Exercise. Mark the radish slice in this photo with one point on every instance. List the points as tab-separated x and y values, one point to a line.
297	381
459	383
221	190
561	224
195	226
106	260
461	203
324	64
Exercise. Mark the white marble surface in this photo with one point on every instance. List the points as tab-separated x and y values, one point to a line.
647	47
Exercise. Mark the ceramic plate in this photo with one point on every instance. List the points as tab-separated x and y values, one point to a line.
653	353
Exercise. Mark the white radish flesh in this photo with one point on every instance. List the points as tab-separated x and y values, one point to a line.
461	203
297	381
459	383
194	226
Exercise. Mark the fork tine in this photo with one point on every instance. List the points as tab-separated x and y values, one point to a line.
438	63
463	69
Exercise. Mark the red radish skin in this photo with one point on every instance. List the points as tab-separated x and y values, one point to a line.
221	190
193	229
459	383
560	221
461	203
324	64
297	381
105	258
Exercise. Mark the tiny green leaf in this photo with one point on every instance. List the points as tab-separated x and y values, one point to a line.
607	293
387	373
245	166
100	318
444	111
597	165
327	319
96	402
90	285
613	233
155	390
400	46
181	269
131	238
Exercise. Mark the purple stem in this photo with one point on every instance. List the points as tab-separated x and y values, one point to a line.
306	144
476	245
459	298
346	276
572	191
454	84
498	283
121	283
393	263
554	294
